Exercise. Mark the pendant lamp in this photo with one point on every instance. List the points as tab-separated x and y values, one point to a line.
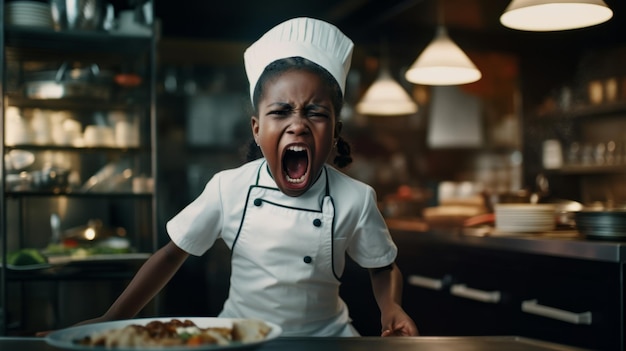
443	63
554	15
386	97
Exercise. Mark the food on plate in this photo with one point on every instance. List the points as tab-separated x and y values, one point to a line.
250	330
176	332
25	257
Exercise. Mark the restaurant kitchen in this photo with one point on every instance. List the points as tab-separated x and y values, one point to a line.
467	147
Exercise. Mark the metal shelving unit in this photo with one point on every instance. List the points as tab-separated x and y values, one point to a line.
23	212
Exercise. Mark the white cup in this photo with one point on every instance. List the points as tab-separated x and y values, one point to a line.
552	154
40	125
126	20
125	134
96	135
73	132
17	131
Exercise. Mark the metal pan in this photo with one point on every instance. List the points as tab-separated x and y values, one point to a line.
69	82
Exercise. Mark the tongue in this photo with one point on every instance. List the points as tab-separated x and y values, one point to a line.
295	164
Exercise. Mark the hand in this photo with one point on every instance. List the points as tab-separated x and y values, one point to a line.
42	334
398	323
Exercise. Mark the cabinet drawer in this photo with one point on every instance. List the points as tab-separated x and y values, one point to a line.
573	302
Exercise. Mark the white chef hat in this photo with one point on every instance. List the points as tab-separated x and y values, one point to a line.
312	39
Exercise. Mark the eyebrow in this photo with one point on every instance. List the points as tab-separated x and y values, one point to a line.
288	105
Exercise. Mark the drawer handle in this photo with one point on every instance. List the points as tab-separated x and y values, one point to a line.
425	282
532	307
474	294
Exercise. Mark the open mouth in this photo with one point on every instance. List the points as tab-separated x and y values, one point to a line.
295	164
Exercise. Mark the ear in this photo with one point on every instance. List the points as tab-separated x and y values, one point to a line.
338	126
254	124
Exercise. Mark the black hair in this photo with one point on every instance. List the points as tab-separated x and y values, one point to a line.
276	68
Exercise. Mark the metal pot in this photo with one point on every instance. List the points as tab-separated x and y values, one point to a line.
565	210
602	224
69	82
78	14
51	178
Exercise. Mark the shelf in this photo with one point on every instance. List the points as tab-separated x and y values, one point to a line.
85	149
77	271
35	41
589	169
78	194
120	102
605	110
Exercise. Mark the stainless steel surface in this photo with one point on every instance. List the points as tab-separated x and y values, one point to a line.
78	14
482	343
561	244
55	226
555	245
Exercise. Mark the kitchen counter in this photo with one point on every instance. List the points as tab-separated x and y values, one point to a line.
486	343
567	244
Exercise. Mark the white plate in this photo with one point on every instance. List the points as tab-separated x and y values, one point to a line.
27	5
524	229
66	338
523	223
17	16
28	267
526	207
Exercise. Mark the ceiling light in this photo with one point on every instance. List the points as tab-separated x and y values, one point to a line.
386	97
443	63
554	15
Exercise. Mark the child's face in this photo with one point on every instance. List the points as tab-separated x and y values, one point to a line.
295	129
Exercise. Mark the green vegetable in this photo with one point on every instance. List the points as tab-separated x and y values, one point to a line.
25	257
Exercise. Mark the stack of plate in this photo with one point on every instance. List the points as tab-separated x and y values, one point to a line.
525	218
608	224
28	13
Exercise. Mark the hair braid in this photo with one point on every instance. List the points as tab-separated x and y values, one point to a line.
343	157
252	151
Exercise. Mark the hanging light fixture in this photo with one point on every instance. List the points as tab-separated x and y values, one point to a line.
443	63
554	15
386	97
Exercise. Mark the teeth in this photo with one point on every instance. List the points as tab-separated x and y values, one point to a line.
296	148
294	181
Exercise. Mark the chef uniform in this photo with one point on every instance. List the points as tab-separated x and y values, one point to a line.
288	253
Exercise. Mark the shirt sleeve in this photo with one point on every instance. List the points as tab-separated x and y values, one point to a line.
371	245
197	226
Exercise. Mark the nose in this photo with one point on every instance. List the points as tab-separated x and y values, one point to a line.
298	125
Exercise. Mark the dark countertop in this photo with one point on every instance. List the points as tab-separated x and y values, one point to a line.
482	343
567	244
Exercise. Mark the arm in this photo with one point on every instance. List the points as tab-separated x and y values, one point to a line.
387	287
155	273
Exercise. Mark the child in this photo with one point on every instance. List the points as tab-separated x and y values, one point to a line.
288	217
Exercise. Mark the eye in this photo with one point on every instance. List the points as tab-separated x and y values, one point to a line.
279	112
317	113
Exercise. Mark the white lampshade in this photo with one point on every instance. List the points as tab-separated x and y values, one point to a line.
443	63
386	97
554	15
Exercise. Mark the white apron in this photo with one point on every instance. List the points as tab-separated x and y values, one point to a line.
283	267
